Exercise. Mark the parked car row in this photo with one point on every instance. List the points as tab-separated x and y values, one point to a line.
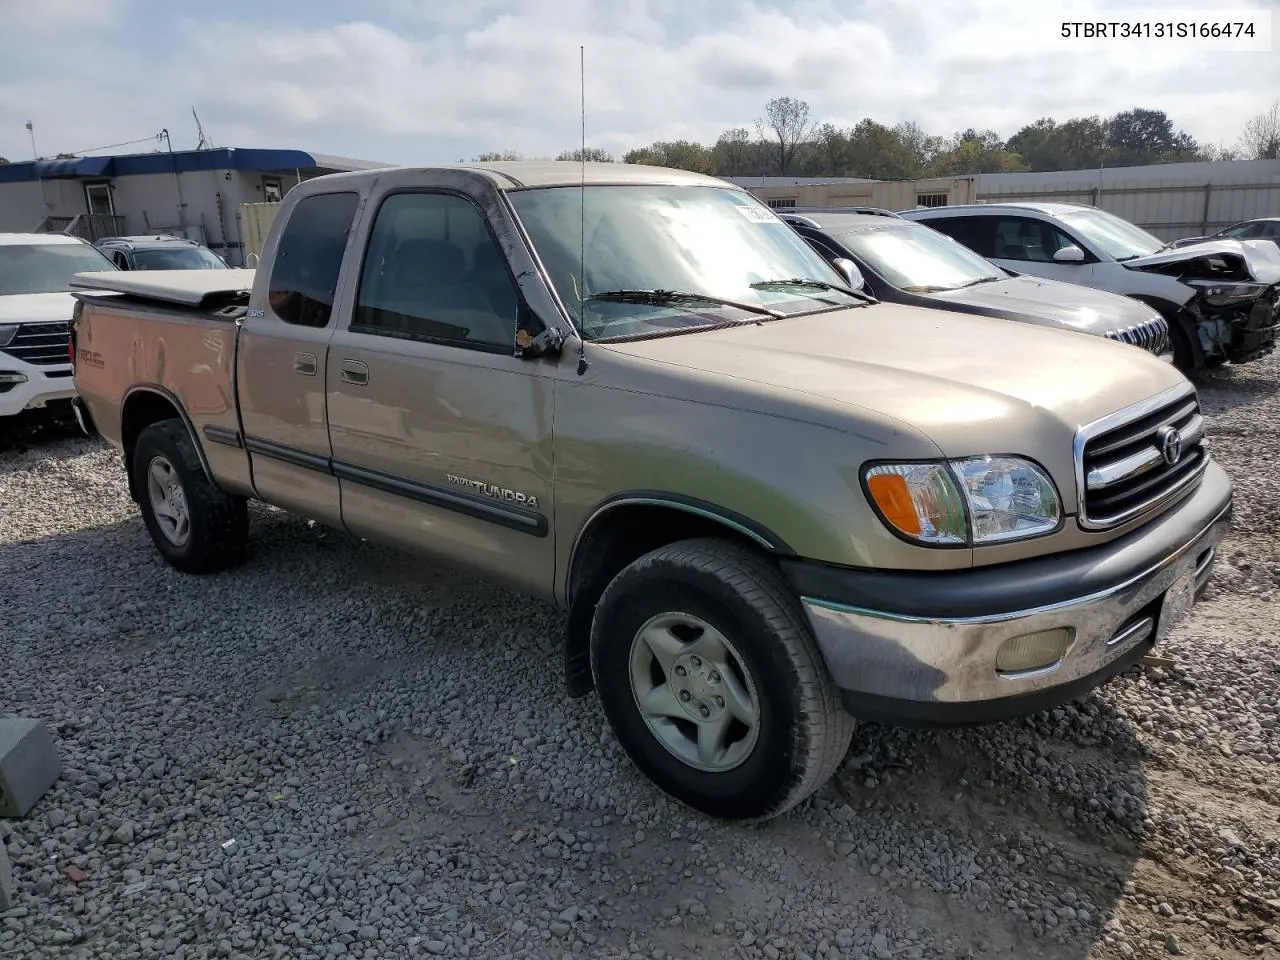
1198	302
768	498
1220	298
905	262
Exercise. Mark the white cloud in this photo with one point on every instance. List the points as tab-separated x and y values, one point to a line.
431	81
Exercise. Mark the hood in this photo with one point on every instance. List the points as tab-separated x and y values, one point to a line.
36	307
1052	302
972	385
1256	260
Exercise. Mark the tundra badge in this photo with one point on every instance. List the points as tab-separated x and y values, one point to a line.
494	492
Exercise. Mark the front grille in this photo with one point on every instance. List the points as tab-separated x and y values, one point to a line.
40	343
1150	335
1127	464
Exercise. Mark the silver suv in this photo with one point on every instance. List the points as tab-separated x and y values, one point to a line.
1221	298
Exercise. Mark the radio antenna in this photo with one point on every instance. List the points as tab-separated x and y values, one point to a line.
582	206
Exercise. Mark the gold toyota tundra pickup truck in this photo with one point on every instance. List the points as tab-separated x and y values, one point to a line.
768	504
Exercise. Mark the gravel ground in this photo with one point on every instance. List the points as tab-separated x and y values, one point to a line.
333	752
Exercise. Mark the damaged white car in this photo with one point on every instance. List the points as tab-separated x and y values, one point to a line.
1221	297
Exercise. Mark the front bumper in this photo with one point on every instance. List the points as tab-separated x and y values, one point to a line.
922	648
26	386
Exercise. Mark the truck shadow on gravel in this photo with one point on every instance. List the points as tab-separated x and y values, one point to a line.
406	726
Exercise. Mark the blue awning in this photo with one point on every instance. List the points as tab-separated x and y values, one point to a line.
74	167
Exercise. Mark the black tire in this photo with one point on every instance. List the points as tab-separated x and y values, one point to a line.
1187	359
803	731
218	536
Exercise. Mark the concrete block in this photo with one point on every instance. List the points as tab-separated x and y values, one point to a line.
6	879
29	764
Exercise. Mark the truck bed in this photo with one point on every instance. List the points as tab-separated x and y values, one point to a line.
189	288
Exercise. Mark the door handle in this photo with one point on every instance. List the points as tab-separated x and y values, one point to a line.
305	364
353	371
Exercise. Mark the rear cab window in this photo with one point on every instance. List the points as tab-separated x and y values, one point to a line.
308	258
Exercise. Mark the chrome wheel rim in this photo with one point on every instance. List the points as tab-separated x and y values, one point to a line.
694	692
168	501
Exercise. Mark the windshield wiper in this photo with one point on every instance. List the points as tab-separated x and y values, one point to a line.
820	284
660	298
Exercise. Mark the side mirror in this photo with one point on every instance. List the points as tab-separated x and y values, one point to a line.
535	338
1071	254
852	275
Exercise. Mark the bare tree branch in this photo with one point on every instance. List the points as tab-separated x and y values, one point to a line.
1261	137
788	120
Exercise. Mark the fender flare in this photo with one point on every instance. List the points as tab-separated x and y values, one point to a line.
168	395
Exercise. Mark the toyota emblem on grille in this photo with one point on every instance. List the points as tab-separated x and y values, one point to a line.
1170	444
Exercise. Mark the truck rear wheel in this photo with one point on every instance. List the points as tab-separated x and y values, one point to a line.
711	680
194	525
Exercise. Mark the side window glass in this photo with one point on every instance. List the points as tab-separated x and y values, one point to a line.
433	271
822	249
304	275
1018	238
973	232
1059	240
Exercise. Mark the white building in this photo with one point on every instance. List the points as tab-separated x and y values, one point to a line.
192	193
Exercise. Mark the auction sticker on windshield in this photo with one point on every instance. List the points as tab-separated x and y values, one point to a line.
758	214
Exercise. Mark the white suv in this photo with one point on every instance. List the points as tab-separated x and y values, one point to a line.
1221	298
35	308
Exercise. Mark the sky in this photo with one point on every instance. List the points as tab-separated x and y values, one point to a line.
430	81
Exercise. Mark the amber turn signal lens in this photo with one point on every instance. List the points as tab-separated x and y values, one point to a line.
892	496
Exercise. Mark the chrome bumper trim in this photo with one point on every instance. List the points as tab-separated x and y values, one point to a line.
952	660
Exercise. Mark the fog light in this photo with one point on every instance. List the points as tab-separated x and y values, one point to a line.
7	376
1034	651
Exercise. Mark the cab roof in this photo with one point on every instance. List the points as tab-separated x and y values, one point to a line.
515	174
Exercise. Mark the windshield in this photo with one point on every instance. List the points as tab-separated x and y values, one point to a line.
919	259
712	241
46	267
1118	239
178	258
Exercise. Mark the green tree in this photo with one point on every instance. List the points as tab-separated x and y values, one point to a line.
921	148
1140	136
498	155
590	155
884	153
680	154
974	151
735	154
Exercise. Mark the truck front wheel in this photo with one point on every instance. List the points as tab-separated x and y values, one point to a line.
711	680
194	525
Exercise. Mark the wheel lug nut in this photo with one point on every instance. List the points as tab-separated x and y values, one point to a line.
684	696
715	677
696	661
681	671
704	711
719	701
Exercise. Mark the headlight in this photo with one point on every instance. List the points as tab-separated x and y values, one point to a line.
965	502
7	333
